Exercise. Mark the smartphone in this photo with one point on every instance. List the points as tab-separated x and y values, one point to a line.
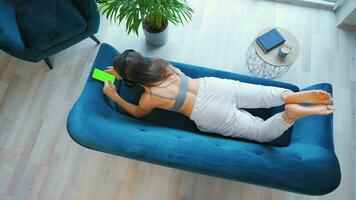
103	75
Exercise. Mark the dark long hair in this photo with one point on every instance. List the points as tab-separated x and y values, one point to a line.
148	73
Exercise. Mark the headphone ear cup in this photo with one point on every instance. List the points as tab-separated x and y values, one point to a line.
130	84
122	67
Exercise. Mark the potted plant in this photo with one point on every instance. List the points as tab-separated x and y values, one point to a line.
153	15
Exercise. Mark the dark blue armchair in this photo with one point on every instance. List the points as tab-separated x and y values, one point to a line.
33	30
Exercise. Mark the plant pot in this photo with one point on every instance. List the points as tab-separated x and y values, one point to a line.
156	38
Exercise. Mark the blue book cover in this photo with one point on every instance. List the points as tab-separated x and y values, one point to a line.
270	40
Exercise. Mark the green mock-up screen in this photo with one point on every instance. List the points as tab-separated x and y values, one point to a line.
103	76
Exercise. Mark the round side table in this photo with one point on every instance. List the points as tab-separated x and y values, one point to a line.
271	65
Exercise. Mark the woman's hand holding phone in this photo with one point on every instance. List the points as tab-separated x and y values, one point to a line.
112	71
109	90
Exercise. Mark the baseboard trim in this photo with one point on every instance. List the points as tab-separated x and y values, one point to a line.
350	27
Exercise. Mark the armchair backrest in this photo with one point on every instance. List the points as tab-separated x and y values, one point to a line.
87	8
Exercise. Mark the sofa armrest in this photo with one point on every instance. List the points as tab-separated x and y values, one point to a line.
315	130
10	37
316	169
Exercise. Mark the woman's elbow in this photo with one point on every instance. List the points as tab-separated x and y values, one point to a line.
139	113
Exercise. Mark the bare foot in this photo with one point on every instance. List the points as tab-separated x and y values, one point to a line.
293	112
311	96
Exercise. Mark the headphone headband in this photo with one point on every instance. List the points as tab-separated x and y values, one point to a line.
122	67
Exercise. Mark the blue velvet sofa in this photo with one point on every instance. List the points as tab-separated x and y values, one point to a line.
304	161
33	30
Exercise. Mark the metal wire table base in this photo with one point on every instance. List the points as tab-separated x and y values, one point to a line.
260	68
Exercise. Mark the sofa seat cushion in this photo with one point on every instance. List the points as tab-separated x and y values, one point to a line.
44	24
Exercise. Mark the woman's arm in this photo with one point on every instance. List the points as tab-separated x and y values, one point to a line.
135	110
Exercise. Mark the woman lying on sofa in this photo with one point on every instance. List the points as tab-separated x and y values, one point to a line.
214	104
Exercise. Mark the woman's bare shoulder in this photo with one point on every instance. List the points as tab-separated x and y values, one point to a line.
147	100
146	97
177	70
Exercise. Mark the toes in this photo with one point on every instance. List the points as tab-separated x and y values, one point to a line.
330	107
324	112
329	111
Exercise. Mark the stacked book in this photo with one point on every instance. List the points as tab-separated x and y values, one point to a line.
270	40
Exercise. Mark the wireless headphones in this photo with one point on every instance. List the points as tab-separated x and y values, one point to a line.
122	67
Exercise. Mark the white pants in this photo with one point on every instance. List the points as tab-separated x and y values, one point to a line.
218	109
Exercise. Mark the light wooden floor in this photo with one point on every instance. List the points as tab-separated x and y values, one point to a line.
38	160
